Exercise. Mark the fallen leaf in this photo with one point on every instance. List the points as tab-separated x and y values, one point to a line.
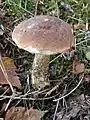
87	78
10	70
79	26
78	67
20	113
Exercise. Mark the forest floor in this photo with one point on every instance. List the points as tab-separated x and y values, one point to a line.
68	97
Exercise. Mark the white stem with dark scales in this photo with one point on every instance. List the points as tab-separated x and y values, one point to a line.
40	70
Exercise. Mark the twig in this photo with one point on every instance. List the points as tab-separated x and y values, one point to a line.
24	98
56	110
5	92
53	89
8	104
34	92
70	91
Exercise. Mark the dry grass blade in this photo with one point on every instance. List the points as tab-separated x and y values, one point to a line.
36	7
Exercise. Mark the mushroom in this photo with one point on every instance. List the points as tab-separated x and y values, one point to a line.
43	35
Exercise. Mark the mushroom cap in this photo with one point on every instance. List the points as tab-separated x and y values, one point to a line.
43	34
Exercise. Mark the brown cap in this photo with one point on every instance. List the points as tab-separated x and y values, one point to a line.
43	34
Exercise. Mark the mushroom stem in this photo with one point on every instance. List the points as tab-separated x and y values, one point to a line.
40	70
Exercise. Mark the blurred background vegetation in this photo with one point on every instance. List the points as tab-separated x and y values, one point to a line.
73	11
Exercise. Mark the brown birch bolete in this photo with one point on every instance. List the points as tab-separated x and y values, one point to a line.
43	35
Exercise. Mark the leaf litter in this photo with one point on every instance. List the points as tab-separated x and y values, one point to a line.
10	70
20	113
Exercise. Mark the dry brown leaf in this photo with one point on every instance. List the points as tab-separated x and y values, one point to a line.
87	78
20	113
10	69
79	26
78	67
